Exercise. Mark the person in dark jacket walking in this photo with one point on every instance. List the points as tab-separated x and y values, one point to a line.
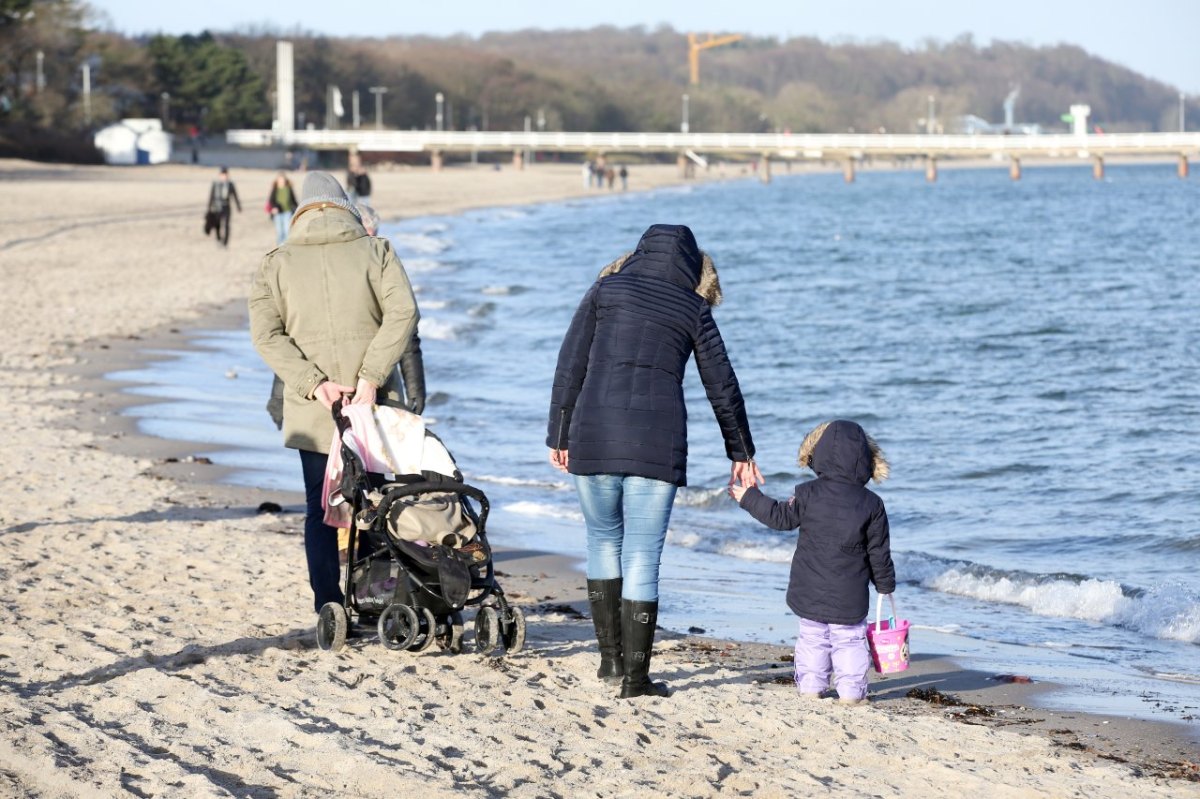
221	198
618	424
843	545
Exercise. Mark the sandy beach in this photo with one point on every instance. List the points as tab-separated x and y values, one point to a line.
157	639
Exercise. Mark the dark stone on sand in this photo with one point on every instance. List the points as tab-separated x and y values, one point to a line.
270	507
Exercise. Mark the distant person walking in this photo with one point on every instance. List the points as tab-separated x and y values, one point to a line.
331	312
624	173
221	197
618	425
281	204
358	182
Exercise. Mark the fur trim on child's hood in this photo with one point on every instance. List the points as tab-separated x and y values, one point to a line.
709	288
879	464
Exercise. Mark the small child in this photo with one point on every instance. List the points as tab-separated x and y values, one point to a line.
842	545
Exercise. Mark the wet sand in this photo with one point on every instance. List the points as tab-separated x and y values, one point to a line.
157	637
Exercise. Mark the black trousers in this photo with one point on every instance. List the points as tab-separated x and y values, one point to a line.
320	540
223	226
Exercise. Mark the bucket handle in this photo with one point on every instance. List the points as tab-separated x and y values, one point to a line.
879	611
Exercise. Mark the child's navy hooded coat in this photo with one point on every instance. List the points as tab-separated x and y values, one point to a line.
843	541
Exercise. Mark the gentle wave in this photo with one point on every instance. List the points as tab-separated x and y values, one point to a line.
420	242
439	330
420	265
557	485
1169	610
543	510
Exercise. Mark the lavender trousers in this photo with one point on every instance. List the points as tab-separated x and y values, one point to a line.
838	649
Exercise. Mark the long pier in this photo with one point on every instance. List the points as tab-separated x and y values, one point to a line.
846	148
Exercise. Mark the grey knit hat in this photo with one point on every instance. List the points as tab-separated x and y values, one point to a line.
322	188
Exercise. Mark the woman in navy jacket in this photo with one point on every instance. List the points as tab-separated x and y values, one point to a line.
619	425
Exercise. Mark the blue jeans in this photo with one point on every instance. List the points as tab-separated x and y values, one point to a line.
283	219
626	519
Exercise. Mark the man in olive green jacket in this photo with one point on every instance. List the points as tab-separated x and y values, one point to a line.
331	312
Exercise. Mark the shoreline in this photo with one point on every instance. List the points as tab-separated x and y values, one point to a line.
187	622
1152	745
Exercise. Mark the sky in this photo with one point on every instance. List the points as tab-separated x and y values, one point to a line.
1158	38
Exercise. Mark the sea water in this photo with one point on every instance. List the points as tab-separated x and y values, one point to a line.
1025	352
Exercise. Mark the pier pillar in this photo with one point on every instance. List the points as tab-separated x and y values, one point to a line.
1098	167
931	170
435	161
848	170
764	174
1014	169
681	163
1183	166
518	159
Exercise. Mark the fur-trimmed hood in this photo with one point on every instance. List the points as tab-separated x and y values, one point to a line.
669	252
842	450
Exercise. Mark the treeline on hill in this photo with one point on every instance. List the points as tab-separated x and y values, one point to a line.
600	79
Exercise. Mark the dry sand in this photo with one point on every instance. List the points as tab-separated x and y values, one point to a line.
155	638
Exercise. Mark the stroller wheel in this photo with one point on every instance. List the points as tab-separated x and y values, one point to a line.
398	626
428	627
451	632
513	634
487	630
332	626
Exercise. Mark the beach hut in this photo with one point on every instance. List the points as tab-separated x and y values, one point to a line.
134	141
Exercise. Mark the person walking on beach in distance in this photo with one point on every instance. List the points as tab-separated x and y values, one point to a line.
221	197
358	182
331	312
617	423
412	362
281	204
843	545
624	173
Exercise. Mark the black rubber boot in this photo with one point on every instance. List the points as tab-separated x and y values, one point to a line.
638	621
605	598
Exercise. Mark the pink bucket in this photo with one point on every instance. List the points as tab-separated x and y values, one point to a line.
888	639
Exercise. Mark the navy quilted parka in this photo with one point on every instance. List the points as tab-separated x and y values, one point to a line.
617	403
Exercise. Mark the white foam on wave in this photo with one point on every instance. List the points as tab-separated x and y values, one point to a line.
434	305
1168	610
701	497
420	242
438	330
498	290
419	265
557	485
543	510
733	546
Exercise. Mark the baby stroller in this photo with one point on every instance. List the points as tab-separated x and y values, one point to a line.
418	556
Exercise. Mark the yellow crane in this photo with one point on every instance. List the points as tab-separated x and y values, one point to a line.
695	46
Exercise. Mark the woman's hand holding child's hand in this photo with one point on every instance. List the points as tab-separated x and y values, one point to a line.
737	492
745	474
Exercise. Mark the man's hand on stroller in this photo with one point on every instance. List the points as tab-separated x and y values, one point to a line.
330	392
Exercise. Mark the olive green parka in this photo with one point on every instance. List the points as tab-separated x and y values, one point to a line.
331	303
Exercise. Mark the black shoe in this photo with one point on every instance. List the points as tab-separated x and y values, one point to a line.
605	599
638	621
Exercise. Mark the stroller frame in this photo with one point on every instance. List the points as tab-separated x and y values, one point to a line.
417	615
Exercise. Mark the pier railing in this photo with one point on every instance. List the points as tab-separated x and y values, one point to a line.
836	146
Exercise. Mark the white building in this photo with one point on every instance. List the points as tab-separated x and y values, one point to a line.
134	141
